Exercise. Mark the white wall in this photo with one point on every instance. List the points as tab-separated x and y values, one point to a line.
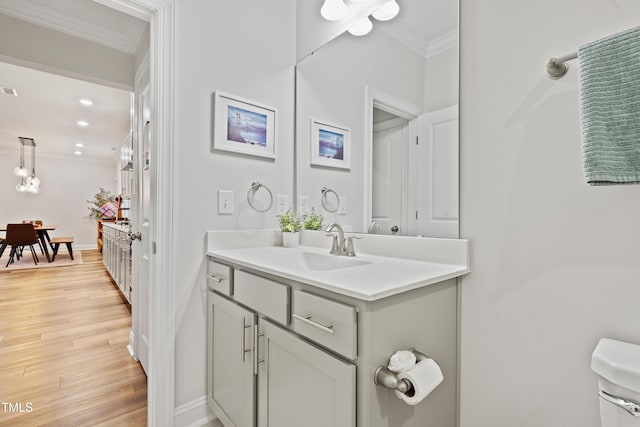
555	262
245	48
330	87
62	197
441	80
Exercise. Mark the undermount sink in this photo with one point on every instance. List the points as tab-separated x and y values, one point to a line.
321	262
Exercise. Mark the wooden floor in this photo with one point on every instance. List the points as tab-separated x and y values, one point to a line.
63	356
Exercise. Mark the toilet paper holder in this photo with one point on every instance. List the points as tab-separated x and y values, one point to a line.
389	379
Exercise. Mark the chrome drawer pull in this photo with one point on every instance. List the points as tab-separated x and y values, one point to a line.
630	406
307	319
216	278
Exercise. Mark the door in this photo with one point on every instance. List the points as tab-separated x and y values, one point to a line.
301	385
389	182
230	366
436	161
142	210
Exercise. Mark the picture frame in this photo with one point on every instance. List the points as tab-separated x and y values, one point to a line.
243	126
330	145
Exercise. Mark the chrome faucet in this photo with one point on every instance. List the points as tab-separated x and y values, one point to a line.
340	245
337	248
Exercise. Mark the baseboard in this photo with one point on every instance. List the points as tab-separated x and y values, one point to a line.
194	414
82	247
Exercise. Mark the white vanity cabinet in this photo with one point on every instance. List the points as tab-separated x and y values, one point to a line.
116	256
259	372
302	385
231	380
318	350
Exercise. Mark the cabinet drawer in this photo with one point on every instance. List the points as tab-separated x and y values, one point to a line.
329	323
263	295
220	277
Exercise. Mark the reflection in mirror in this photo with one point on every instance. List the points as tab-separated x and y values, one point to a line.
398	83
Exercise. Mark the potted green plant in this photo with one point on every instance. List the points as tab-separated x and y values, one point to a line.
312	221
290	225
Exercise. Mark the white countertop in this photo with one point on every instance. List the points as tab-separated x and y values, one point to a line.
375	277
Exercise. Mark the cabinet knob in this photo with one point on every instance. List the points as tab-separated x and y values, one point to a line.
135	236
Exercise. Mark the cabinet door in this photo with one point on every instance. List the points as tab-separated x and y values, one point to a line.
301	385
230	366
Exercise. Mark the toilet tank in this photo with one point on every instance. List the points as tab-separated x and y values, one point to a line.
617	364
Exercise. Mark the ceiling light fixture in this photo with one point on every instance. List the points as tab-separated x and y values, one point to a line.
79	145
333	10
388	11
361	27
82	123
86	102
78	153
28	183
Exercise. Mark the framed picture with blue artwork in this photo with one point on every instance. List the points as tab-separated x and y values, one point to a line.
330	145
243	126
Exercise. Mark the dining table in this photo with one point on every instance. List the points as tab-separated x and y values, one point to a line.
43	236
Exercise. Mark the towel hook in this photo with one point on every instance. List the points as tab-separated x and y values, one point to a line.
255	186
323	199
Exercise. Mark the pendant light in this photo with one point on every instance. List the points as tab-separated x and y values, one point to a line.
28	182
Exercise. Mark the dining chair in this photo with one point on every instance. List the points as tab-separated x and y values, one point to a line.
18	236
37	223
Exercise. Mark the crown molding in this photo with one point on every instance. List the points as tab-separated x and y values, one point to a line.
57	20
442	43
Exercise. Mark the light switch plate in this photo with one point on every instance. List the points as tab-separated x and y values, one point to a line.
303	205
342	208
282	203
225	202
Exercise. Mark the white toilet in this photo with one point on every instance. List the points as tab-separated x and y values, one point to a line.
618	365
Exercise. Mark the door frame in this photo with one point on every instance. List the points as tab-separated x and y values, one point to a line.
161	389
374	97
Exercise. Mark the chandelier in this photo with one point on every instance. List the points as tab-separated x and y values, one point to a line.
29	182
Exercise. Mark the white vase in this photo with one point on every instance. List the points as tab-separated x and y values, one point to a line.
290	240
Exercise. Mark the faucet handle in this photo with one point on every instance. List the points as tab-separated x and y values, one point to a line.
334	244
349	248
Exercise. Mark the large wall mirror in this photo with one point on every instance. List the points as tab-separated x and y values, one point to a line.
377	123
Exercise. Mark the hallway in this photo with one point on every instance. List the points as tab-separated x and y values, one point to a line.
63	355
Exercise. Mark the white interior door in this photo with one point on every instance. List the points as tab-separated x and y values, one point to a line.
389	182
141	227
436	161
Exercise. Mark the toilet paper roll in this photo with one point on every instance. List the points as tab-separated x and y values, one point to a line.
424	376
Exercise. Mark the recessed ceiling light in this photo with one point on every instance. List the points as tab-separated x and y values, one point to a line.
82	123
78	153
87	102
79	145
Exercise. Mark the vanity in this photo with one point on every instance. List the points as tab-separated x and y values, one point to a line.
295	335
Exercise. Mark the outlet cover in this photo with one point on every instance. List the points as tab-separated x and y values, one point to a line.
303	205
342	207
225	202
282	203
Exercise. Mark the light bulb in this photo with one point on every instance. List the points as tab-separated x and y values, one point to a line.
35	180
21	187
333	10
361	27
388	11
21	172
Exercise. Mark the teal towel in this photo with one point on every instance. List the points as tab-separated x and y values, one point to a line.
610	108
